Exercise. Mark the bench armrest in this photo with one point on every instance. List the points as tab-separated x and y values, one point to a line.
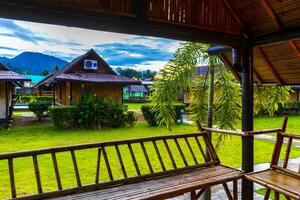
241	133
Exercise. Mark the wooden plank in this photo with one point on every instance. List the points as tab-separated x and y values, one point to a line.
201	150
137	169
159	156
180	152
257	76
295	48
170	154
234	15
107	164
230	67
147	157
267	6
56	170
12	178
98	166
269	65
121	161
287	153
191	150
76	170
37	174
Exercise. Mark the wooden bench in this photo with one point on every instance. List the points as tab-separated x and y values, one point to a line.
278	177
149	168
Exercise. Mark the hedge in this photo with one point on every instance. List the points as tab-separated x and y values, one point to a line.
63	116
149	115
31	99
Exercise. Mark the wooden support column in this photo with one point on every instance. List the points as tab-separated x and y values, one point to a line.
71	92
247	120
7	100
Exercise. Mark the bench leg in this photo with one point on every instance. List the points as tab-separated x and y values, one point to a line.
227	191
235	190
267	195
277	196
196	196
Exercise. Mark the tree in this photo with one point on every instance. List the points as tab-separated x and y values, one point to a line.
45	72
130	73
56	68
179	74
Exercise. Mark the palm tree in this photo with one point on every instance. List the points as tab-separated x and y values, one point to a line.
218	92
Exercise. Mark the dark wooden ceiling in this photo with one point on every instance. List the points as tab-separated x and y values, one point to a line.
271	27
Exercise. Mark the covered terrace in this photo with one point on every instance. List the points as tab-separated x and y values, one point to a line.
265	36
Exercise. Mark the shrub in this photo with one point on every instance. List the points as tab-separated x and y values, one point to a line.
131	118
62	116
48	99
40	110
149	115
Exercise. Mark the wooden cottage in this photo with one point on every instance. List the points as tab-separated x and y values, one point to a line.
87	73
8	82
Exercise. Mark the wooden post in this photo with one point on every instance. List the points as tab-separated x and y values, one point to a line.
71	92
6	101
53	94
247	120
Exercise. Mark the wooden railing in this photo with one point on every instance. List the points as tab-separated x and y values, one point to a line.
174	154
195	13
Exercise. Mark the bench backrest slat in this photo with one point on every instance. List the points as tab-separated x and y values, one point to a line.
133	160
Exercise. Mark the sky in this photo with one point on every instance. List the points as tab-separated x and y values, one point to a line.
119	50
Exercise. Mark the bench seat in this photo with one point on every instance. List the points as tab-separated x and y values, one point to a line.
277	181
164	187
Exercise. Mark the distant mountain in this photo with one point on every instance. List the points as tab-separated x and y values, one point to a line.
33	63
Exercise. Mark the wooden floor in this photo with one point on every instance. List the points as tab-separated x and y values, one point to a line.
165	187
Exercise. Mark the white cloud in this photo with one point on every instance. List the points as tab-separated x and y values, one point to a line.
151	65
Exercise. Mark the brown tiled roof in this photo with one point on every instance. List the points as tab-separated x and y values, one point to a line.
7	75
91	77
95	78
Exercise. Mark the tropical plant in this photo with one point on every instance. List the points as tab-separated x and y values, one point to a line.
179	75
262	101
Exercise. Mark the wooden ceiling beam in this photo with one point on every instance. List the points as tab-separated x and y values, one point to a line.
234	15
270	66
30	10
267	6
230	67
257	76
295	48
286	35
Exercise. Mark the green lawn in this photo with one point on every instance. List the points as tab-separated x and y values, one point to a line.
42	136
135	106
